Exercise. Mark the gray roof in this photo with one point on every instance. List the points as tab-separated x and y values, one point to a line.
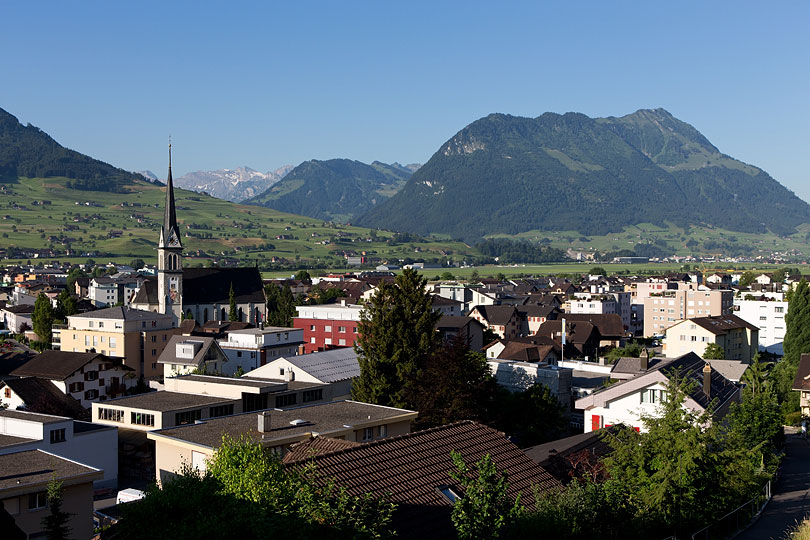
169	354
164	401
322	418
10	440
33	417
59	365
36	467
329	366
730	369
121	313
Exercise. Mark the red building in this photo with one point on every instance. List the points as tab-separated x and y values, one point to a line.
328	326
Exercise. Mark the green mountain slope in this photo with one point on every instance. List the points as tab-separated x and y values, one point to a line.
30	152
334	190
506	175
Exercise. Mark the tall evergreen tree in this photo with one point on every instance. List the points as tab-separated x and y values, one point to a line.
42	318
232	313
397	334
56	522
797	342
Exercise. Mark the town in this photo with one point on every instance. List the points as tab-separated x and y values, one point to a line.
409	395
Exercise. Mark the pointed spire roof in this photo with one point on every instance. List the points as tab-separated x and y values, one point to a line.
170	216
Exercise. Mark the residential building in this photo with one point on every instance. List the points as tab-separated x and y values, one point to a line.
505	321
190	398
446	306
16	318
251	348
337	368
328	326
769	317
454	327
40	396
627	401
86	377
801	384
93	445
24	486
602	304
135	336
276	430
665	309
188	354
519	376
738	338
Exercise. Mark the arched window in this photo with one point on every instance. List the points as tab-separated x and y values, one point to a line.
241	317
224	315
257	317
205	316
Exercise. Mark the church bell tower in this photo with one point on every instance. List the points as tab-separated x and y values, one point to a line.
170	256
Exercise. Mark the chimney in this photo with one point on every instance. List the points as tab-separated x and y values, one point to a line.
264	422
645	360
707	380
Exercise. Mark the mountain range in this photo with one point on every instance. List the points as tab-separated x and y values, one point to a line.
335	189
232	184
507	174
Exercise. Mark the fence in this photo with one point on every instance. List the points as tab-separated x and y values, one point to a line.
736	520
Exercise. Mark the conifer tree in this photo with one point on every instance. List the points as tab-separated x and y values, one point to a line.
56	522
42	318
232	314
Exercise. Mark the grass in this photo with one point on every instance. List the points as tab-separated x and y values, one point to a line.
802	531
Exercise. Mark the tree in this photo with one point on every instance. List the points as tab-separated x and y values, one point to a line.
797	342
484	508
778	276
233	315
56	522
474	275
42	318
597	271
137	264
280	305
516	414
65	306
447	276
397	334
73	275
714	352
747	279
303	275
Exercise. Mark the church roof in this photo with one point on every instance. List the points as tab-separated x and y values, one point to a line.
211	286
169	215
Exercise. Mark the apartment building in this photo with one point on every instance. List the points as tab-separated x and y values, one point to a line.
328	326
254	347
603	304
738	339
769	317
136	336
662	310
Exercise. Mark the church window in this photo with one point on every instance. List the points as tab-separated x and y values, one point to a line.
205	315
241	315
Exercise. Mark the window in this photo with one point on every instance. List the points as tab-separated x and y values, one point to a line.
220	410
154	352
763	318
91	394
313	395
368	433
7	392
76	387
239	354
281	371
91	376
341	329
778	310
354	330
86	341
342	342
37	501
101	324
187	417
383	430
311	327
57	435
327	328
448	493
113	415
312	339
154	338
286	400
91	324
142	419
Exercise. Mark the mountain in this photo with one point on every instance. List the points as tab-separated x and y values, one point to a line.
30	152
232	184
149	175
335	189
507	174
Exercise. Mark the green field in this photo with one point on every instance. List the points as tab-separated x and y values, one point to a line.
42	213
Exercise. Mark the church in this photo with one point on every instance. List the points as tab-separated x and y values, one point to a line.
199	293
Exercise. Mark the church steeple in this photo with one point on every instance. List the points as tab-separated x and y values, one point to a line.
170	233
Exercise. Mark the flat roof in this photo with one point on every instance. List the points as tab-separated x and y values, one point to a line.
33	417
265	330
36	467
164	401
233	381
321	418
10	440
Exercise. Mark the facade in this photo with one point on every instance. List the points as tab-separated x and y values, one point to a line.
137	337
603	304
186	354
96	446
769	317
665	309
254	347
519	376
328	326
467	328
627	401
24	485
17	317
738	339
505	321
277	431
337	368
801	384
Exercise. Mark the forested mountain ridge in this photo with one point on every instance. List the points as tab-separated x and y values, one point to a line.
507	174
30	152
335	189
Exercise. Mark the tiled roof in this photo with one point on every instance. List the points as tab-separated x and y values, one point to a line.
608	324
42	396
329	366
802	379
169	354
316	446
59	365
454	321
557	456
721	324
500	315
120	313
524	352
632	365
410	468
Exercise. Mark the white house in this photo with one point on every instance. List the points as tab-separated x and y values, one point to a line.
186	354
254	347
769	317
627	401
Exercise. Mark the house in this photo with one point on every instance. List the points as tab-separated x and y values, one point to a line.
276	430
39	396
519	376
738	338
189	398
251	348
447	306
801	384
618	303
86	377
662	310
135	336
572	457
411	470
612	332
337	368
24	485
533	315
328	326
521	351
583	337
502	320
625	402
96	446
17	318
453	327
187	354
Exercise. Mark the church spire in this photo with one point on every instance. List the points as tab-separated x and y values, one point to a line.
167	239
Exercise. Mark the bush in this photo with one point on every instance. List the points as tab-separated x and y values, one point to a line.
793	418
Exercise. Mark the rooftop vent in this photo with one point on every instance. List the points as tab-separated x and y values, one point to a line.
299	422
264	422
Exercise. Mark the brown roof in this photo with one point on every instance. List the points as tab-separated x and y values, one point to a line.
559	457
315	446
500	315
608	324
575	331
632	365
802	379
411	468
455	321
524	352
721	324
42	396
59	365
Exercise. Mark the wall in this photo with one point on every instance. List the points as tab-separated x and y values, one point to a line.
77	500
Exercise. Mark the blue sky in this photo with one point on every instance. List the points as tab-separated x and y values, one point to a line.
270	83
